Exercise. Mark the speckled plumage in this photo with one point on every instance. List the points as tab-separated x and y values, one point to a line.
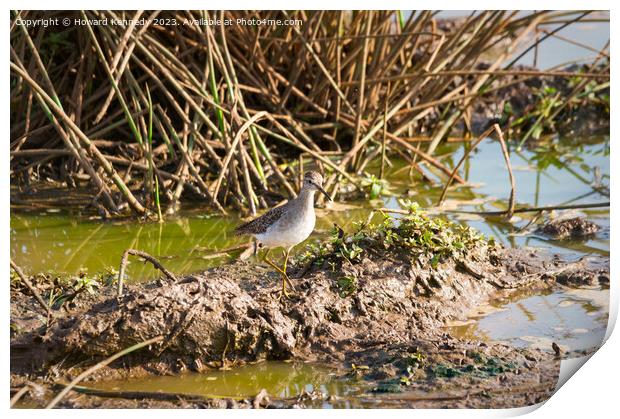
259	225
288	224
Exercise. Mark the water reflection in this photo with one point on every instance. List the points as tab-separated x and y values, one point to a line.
279	379
64	243
566	171
575	319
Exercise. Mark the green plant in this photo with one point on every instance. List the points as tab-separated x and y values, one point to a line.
347	285
416	236
150	155
57	298
376	186
86	283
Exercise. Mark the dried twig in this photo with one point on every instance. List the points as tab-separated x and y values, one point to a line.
504	212
535	209
32	289
99	365
458	165
146	257
20	393
513	189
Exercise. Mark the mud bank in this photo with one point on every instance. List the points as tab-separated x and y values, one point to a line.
380	318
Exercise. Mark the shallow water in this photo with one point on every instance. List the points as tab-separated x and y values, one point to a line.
68	242
555	51
575	319
281	380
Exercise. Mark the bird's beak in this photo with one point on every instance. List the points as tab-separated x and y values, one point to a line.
324	192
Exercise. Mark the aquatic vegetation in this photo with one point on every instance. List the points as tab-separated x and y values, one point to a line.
482	367
421	369
558	105
445	371
87	284
376	187
394	385
417	236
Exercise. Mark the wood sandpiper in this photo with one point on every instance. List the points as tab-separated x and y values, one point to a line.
287	225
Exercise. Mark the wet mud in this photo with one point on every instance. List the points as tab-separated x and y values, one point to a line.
380	319
571	228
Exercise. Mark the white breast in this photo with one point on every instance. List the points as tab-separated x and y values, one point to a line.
289	231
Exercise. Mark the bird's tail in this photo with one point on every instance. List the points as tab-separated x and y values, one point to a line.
241	229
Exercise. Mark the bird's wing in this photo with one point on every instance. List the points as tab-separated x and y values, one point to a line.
261	224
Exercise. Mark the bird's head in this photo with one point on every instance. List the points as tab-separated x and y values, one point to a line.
313	181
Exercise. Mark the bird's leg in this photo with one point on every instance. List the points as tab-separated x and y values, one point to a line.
280	271
287	252
271	263
283	293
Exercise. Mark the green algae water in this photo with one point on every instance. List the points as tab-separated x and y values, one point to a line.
567	172
281	380
66	244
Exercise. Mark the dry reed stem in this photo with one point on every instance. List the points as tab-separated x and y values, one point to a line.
100	365
305	78
146	257
31	288
109	169
513	189
482	136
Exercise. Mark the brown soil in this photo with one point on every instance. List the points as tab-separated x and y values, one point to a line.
391	323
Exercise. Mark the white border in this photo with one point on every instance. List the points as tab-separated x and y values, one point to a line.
592	393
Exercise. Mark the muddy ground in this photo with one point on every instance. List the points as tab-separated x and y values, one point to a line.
384	325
